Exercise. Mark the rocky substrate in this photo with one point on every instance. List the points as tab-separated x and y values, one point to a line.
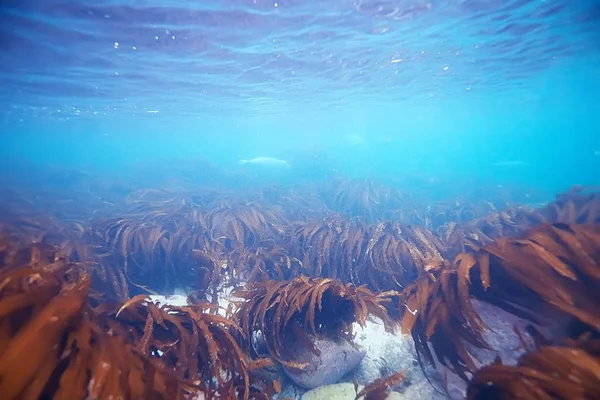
384	354
376	353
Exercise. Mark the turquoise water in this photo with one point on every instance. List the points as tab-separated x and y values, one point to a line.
406	132
486	92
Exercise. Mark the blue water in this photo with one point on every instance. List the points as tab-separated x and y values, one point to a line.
137	113
450	92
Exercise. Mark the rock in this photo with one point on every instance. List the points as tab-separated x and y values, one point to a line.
397	396
500	335
422	390
172	300
341	391
390	353
337	358
338	391
289	390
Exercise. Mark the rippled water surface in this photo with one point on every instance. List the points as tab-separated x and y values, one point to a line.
80	58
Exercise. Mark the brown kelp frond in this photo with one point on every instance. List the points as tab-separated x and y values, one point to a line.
154	247
510	222
280	311
25	227
458	239
573	207
28	225
580	205
472	235
385	256
551	267
438	310
195	344
245	224
51	347
332	248
559	372
210	274
37	256
133	350
364	198
456	211
379	388
554	266
152	251
298	204
401	252
263	264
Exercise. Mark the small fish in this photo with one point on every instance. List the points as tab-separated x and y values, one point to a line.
266	161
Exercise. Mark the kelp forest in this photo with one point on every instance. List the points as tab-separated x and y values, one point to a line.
80	260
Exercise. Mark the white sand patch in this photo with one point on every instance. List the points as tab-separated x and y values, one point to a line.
388	354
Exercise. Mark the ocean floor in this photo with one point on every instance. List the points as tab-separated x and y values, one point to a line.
385	354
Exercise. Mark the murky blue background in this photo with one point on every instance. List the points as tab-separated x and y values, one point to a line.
435	93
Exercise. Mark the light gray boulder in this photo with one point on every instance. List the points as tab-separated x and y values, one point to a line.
342	391
336	359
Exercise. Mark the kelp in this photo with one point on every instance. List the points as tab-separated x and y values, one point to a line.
384	256
472	235
456	211
375	202
566	371
580	205
553	268
576	206
332	248
58	341
363	198
156	240
160	239
379	389
510	222
263	264
437	309
280	311
145	241
189	341
457	239
550	269
245	225
397	253
50	347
